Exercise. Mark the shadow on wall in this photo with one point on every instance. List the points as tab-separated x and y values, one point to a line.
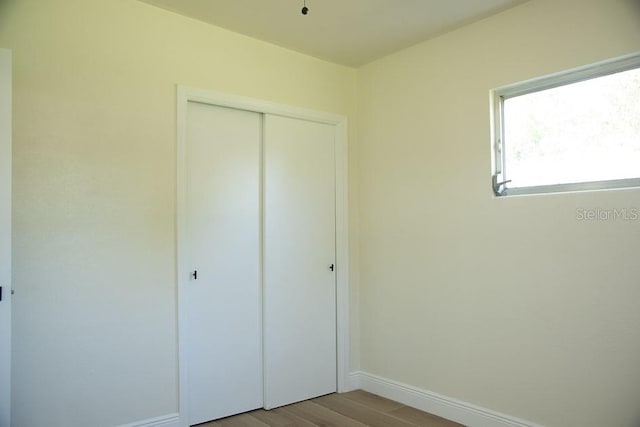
5	6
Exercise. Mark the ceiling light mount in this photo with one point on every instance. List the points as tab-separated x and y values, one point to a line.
305	9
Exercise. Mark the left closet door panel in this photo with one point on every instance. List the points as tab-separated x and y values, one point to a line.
224	308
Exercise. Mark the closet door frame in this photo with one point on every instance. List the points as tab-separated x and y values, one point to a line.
187	94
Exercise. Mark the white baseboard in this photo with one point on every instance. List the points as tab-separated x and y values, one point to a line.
434	403
171	420
353	381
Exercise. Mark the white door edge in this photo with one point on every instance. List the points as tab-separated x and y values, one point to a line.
5	232
187	94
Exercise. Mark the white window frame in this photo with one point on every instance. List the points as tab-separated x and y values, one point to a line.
499	95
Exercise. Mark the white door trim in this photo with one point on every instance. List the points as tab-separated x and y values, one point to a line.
5	232
184	96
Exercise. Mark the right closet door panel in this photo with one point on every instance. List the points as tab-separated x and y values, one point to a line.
299	256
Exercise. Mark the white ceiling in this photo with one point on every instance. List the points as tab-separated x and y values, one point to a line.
348	32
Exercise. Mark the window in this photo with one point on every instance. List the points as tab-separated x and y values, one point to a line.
578	130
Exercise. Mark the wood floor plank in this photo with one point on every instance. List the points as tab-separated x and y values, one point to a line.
372	401
300	421
321	416
422	419
359	412
353	409
242	420
278	418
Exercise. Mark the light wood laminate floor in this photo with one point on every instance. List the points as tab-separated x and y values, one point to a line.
354	409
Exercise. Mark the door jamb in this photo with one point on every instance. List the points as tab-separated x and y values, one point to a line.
5	229
187	94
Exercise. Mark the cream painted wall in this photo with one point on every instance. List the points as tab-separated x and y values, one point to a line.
510	304
94	193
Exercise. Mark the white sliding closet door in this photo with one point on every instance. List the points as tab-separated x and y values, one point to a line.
299	252
223	304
